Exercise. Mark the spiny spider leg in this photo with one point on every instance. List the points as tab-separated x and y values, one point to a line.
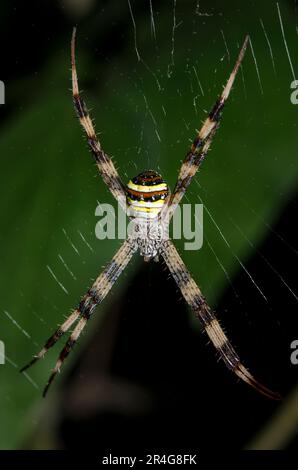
105	165
55	336
197	302
202	142
92	298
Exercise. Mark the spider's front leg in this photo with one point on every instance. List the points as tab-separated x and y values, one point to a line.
197	302
91	299
104	162
202	141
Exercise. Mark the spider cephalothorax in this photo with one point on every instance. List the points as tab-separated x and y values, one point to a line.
148	235
149	205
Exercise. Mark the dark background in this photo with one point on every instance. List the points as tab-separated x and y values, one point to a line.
144	375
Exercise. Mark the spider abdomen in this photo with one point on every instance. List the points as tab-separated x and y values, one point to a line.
146	194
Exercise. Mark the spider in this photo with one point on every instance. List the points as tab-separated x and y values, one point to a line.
150	206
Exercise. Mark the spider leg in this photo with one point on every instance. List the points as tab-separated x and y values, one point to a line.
67	348
198	304
202	141
54	337
104	163
91	299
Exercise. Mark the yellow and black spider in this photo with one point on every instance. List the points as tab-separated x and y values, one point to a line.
150	206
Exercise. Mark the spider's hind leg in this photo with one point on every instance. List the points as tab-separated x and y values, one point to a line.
53	339
67	349
91	299
198	304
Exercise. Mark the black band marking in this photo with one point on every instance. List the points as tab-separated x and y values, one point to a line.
215	113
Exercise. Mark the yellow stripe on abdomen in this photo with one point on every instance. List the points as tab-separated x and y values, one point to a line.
147	189
146	194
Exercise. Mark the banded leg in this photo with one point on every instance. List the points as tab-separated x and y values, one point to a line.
104	163
202	141
92	298
54	338
197	302
67	348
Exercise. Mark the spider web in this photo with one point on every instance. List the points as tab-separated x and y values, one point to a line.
153	84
